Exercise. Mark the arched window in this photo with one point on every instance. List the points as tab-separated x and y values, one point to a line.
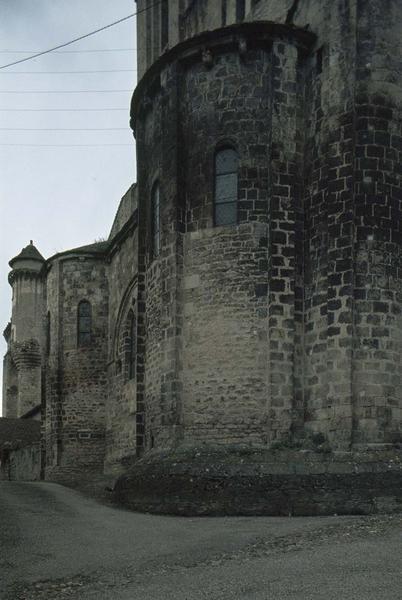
155	220
48	333
84	323
240	10
226	168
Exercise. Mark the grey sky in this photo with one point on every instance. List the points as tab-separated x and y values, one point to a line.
62	197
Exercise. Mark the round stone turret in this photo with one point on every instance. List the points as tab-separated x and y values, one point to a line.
29	261
27	325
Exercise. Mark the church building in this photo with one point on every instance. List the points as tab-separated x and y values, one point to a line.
249	295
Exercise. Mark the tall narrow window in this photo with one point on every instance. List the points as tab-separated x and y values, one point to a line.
148	24
156	21
226	168
240	10
130	345
319	60
48	333
224	12
165	24
155	217
84	324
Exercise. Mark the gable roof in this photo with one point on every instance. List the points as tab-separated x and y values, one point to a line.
17	433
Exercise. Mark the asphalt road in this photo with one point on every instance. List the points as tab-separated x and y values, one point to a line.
56	543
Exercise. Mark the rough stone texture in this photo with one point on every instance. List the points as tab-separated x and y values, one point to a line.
76	376
22	388
20	449
121	407
240	481
10	386
332	304
224	323
23	464
222	274
378	188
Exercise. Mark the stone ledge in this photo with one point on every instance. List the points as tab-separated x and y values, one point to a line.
240	482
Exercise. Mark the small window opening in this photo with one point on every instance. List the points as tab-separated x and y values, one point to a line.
165	24
48	334
155	224
130	344
59	451
148	18
319	60
224	12
156	26
84	323
226	187
240	10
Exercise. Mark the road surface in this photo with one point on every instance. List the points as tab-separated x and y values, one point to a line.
56	543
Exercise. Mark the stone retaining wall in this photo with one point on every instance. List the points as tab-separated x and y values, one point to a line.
245	482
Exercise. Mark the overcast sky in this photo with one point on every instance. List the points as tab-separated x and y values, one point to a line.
62	197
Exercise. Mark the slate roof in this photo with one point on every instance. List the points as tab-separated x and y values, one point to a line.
17	433
30	252
96	248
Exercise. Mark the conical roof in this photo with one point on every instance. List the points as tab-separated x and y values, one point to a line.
29	252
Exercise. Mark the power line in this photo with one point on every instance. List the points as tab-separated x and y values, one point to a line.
68	51
66	72
81	37
66	145
64	129
61	91
61	109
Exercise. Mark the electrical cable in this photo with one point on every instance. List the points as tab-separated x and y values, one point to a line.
81	37
65	145
64	129
69	51
62	91
61	109
67	72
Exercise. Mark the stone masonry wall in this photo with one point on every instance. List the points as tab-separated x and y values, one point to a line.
223	274
159	319
25	463
377	384
26	341
121	407
328	199
76	376
27	358
10	387
225	326
52	409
